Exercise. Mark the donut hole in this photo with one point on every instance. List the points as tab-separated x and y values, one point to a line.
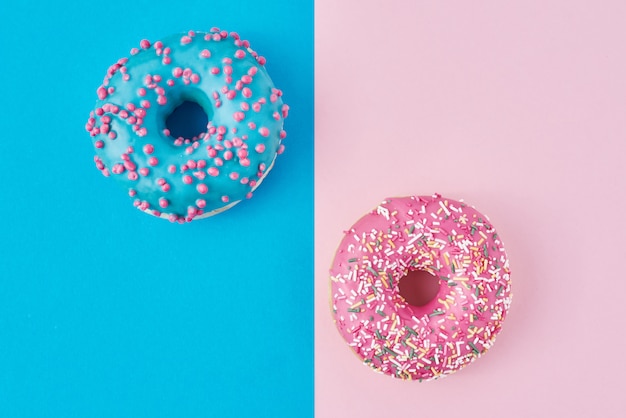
187	121
419	287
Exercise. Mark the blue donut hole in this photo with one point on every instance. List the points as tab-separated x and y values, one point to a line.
188	121
419	287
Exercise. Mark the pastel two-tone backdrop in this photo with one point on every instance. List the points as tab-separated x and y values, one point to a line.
516	107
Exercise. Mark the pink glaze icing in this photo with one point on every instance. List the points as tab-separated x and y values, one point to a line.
446	238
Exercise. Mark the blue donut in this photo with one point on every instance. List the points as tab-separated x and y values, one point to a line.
182	179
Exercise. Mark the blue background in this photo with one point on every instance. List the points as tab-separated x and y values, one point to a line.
106	311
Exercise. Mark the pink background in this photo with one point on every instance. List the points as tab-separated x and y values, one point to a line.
520	110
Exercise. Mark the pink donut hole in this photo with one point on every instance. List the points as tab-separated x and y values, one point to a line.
419	287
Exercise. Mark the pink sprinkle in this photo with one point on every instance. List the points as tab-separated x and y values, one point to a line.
141	92
260	148
134	51
132	175
112	135
225	199
231	94
201	203
239	116
185	40
264	131
212	171
153	161
281	149
165	187
205	53
195	78
161	100
256	107
261	60
130	166
252	71
191	164
221	130
244	106
234	175
148	148
285	110
273	98
244	180
242	153
99	144
276	115
244	162
145	104
118	169
228	70
228	155
240	53
251	125
140	112
202	188
218	161
187	179
132	192
171	169
163	202
161	181
177	72
215	70
144	171
246	79
283	134
111	90
145	44
237	141
238	85
211	152
102	93
166	60
201	164
247	93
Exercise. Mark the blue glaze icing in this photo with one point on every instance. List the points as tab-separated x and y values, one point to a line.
194	177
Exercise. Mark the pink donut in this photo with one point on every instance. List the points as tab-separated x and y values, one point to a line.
445	238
